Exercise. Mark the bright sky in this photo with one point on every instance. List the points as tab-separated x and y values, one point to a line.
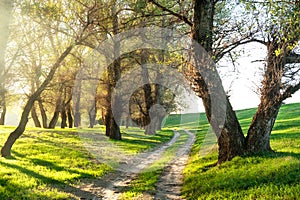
248	78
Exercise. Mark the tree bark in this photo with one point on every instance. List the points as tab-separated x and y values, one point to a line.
92	115
258	137
6	149
63	117
76	101
149	101
63	111
69	115
107	121
231	140
58	107
3	109
35	117
43	113
128	119
114	74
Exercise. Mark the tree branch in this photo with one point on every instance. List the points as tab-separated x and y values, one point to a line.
181	17
290	91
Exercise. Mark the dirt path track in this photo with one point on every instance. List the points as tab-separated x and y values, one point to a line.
169	186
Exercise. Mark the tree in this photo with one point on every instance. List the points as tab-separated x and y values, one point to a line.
42	11
206	80
231	140
282	30
5	15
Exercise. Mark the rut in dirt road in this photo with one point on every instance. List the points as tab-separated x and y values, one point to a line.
109	186
170	183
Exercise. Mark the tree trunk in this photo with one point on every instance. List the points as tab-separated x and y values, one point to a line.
128	120
208	85
6	149
63	117
35	117
63	113
69	115
55	116
231	141
115	132
114	74
3	109
92	115
258	137
149	101
43	113
107	121
160	119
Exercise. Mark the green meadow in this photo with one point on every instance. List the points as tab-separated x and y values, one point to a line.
48	164
263	176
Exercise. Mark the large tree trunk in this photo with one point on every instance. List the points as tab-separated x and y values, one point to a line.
258	137
149	101
231	141
114	74
6	149
207	82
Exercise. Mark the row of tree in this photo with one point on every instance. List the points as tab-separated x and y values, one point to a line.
50	40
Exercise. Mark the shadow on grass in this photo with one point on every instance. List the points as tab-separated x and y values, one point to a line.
53	166
12	190
282	136
63	145
59	185
274	154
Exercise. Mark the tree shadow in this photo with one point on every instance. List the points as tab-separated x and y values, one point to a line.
274	154
53	183
282	136
11	188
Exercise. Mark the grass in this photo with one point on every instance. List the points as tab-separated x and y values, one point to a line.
265	176
46	164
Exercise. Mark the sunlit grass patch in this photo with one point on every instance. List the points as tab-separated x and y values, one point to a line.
264	176
45	163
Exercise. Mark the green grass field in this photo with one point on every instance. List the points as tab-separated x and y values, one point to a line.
266	176
46	164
